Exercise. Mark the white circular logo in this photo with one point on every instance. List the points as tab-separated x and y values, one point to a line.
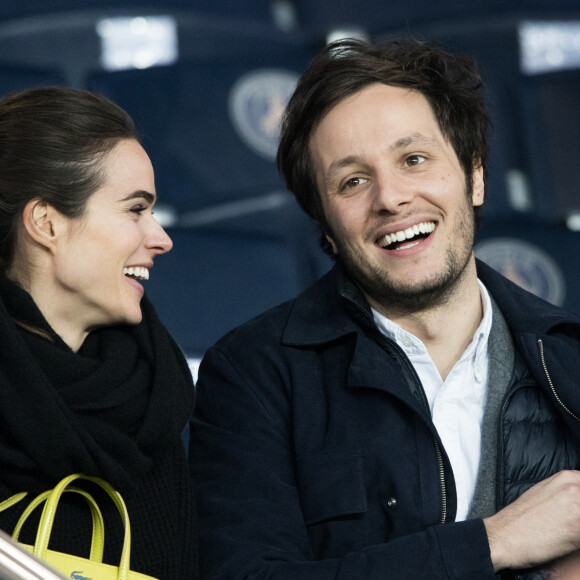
526	265
257	102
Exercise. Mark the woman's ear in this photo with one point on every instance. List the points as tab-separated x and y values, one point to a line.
41	222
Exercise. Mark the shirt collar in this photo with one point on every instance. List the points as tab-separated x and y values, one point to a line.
412	345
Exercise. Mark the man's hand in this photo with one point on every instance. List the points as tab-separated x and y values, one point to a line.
542	524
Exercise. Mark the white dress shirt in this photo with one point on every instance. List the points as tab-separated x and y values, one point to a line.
456	404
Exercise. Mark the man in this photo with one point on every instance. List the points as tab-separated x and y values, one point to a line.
413	414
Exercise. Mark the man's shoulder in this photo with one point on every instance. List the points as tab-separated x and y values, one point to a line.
270	325
523	310
267	325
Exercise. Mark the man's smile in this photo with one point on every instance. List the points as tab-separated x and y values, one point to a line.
395	241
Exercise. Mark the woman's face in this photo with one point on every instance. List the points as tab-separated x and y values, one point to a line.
101	257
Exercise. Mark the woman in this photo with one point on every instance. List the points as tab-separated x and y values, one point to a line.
90	381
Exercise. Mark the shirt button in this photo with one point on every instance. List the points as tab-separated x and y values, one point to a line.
391	502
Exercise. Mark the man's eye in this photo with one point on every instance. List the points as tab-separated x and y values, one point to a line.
354	182
138	209
414	160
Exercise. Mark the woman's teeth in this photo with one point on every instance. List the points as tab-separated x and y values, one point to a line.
137	272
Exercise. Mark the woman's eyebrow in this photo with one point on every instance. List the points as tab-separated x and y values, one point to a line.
146	195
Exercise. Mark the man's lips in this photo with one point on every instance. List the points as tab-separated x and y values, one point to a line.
416	231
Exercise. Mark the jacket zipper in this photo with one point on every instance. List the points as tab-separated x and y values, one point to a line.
405	362
442	481
543	359
440	464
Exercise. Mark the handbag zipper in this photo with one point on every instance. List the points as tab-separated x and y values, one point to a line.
543	359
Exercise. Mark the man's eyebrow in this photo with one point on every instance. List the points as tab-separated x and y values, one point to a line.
336	166
414	139
140	193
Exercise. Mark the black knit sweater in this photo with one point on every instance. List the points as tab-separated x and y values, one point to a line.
115	410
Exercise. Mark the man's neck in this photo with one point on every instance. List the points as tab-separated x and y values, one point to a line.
447	328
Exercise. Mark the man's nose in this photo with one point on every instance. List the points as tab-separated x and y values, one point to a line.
392	193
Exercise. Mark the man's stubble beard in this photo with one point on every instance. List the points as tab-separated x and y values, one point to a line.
406	298
400	297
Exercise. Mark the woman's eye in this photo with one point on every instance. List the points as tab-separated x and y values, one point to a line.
354	182
138	209
414	160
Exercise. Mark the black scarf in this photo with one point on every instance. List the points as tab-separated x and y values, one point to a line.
108	410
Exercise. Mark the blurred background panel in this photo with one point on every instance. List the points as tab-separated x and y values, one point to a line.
207	80
539	255
209	125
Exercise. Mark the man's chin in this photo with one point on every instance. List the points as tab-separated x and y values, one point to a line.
413	298
404	296
412	290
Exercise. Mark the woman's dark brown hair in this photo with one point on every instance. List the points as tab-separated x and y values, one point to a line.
52	142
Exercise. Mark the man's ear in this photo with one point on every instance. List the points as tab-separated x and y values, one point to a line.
478	185
331	242
41	222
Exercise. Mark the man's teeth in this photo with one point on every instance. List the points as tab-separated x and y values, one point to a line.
408	234
137	272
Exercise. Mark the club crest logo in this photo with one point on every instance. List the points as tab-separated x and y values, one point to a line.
256	105
526	265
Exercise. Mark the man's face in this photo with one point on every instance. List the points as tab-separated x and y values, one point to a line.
395	197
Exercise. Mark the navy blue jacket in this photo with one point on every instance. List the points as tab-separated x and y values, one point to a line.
315	456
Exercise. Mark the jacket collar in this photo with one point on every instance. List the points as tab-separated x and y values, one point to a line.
334	307
524	312
331	308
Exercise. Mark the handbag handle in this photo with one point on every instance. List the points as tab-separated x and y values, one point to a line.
12	500
98	536
49	510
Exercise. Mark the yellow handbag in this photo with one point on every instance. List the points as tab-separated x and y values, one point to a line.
76	567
